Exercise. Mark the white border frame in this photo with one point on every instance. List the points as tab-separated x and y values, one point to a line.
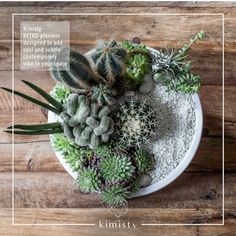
118	14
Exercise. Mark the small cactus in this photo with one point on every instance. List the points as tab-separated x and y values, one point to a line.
109	60
103	94
85	122
80	76
135	123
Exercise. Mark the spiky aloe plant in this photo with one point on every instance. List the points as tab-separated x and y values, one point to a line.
116	167
88	180
103	94
115	195
173	60
135	123
143	161
109	59
37	129
79	77
171	69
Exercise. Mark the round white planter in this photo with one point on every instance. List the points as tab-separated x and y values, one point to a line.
177	171
173	175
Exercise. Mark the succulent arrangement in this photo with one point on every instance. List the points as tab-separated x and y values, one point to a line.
102	137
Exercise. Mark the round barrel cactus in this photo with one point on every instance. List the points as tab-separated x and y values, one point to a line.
135	123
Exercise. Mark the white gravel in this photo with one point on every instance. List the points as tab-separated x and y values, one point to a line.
174	130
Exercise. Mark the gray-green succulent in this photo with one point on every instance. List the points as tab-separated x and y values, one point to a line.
85	122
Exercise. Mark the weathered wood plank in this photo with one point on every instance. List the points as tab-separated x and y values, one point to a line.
39	156
158	216
50	189
116	26
52	215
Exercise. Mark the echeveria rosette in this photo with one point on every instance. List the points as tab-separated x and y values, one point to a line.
137	67
60	92
88	180
115	195
116	167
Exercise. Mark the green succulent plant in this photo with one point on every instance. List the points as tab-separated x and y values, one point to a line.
143	161
137	67
62	143
171	69
182	82
103	94
37	129
115	195
132	48
88	180
60	92
116	167
73	155
104	150
85	122
135	123
109	59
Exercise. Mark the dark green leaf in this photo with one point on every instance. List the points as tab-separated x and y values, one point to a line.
36	126
44	94
33	100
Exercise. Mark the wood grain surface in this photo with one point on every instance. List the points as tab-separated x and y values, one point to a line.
45	194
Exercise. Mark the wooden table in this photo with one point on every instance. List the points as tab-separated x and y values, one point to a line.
46	194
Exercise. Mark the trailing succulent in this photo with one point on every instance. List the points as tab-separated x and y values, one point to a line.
106	150
135	123
85	122
171	69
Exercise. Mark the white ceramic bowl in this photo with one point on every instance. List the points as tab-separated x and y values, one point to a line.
178	170
173	175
